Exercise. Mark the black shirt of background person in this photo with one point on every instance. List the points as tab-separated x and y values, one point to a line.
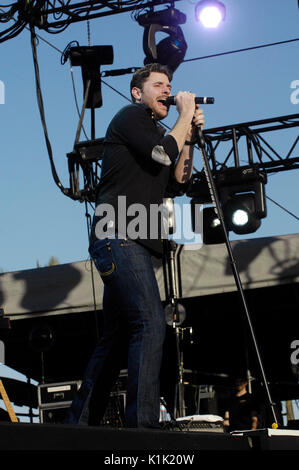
241	409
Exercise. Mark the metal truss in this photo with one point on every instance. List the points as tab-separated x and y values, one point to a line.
246	145
56	15
225	141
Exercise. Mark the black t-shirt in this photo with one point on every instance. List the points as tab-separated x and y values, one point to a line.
133	185
241	409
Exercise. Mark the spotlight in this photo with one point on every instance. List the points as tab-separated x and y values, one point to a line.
212	231
240	214
240	217
210	13
242	195
172	49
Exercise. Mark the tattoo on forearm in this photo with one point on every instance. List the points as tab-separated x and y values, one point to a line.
188	167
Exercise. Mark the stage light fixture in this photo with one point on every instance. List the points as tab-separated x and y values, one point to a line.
210	13
240	214
241	193
212	230
90	58
172	49
240	217
243	200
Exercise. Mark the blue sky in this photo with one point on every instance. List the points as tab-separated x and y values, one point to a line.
37	220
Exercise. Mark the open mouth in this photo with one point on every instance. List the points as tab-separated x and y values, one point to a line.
162	102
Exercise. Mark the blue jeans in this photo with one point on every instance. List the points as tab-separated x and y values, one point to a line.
132	305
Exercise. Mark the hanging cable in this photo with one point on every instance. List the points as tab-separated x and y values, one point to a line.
88	32
283	208
42	111
89	225
241	50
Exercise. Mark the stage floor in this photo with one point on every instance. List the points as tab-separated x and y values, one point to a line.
112	442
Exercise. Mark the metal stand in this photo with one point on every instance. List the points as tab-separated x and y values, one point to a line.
217	205
179	398
174	312
175	315
77	138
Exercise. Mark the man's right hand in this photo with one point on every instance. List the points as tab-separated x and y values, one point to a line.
185	104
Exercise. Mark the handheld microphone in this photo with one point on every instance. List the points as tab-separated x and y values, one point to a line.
171	100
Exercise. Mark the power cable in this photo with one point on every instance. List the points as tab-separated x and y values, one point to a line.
241	50
89	227
42	111
283	208
116	91
71	70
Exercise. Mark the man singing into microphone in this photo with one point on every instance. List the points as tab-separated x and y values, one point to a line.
143	165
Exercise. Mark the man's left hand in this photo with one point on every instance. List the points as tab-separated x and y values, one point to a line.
197	120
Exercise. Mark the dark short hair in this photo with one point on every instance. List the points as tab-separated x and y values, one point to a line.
143	73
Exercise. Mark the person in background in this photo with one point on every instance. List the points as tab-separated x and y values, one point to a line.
241	412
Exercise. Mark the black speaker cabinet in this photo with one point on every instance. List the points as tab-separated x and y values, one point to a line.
54	400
